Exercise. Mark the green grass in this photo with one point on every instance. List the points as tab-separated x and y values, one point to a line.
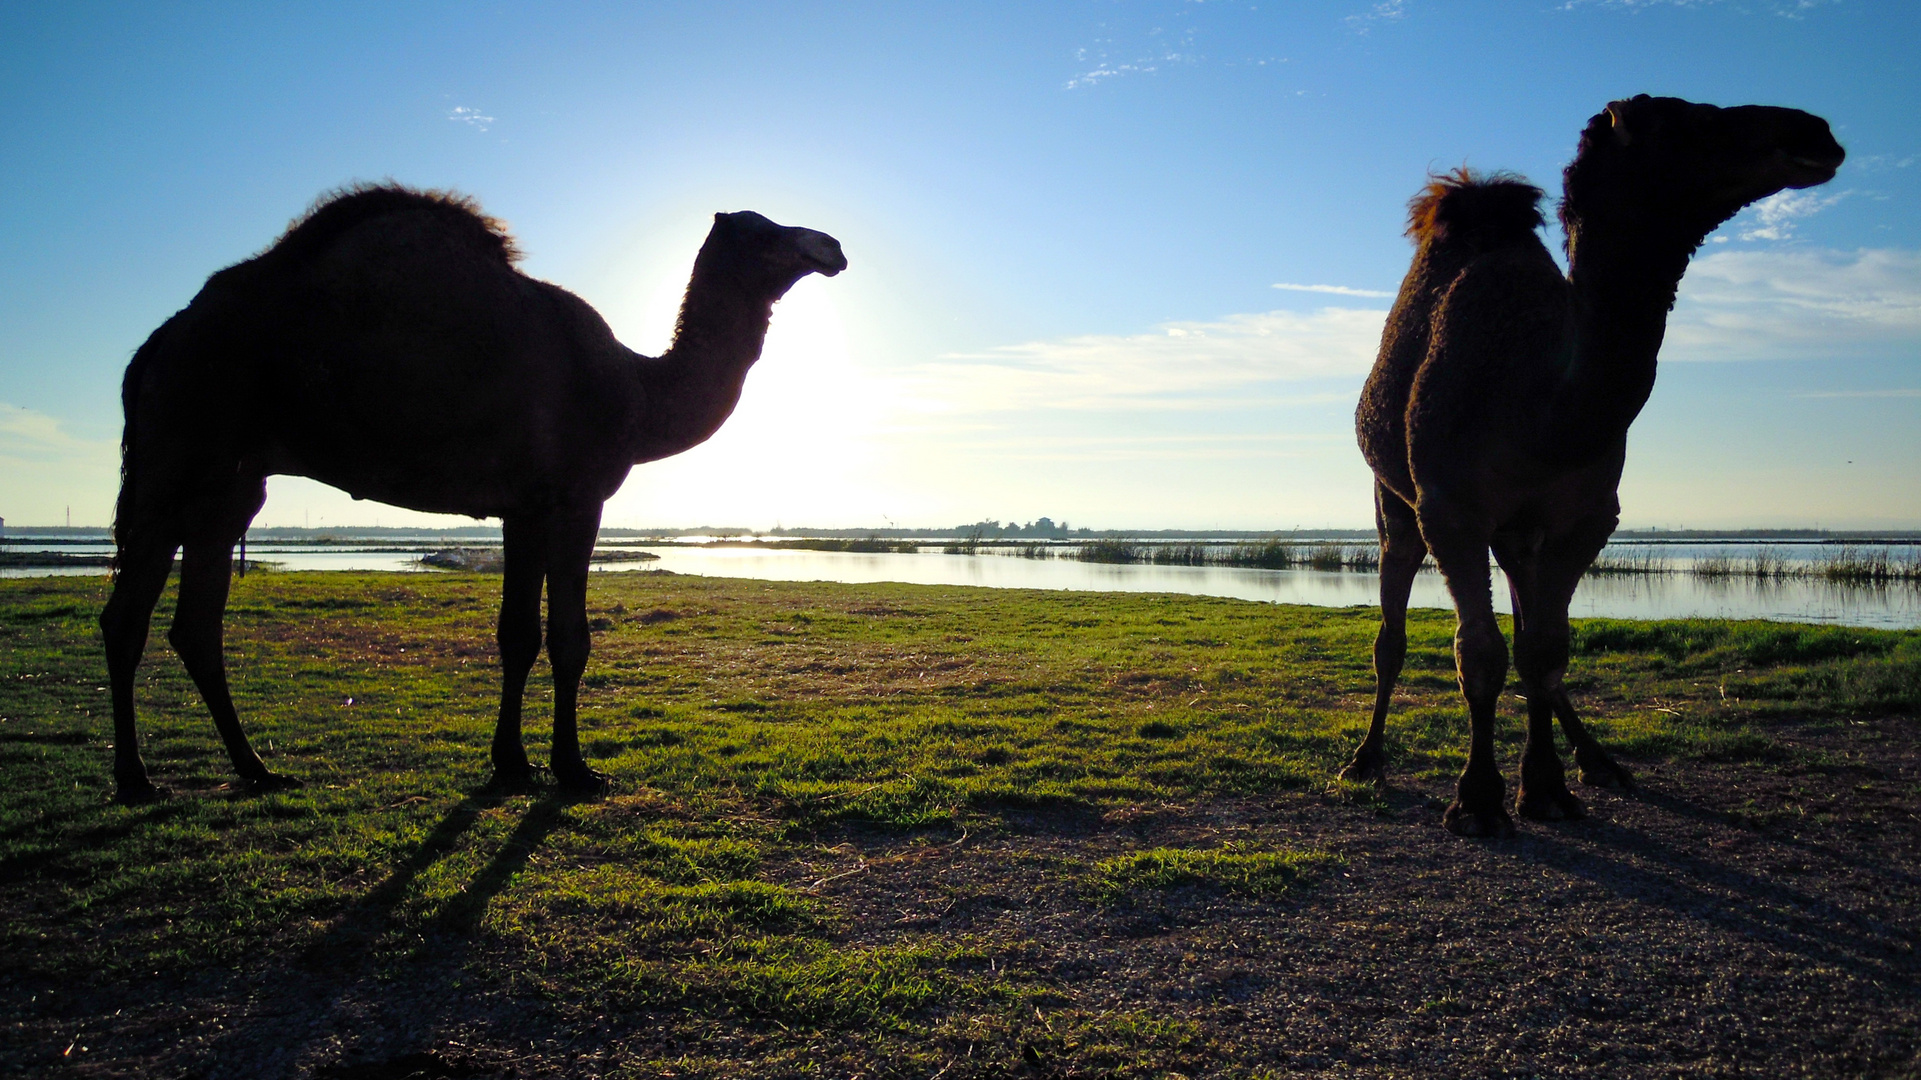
1259	873
749	725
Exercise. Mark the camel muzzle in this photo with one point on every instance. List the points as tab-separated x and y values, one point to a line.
823	251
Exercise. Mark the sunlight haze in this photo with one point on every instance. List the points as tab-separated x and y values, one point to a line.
1122	264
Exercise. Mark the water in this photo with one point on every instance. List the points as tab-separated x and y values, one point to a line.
1624	596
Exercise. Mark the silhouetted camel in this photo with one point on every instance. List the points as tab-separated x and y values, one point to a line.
1496	416
386	345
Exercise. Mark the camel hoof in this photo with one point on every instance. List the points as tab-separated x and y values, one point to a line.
515	780
585	781
140	794
1492	824
1366	768
1599	770
261	785
1549	806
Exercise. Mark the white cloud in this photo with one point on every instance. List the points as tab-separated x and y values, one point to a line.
1897	392
1385	11
1787	9
29	437
1772	305
1337	290
1178	366
1775	217
44	470
473	118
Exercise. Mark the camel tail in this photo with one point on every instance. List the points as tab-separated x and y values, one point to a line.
1485	210
123	507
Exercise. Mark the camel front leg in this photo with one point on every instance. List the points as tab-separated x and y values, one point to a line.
1561	569
1402	550
1543	793
524	551
568	640
1480	660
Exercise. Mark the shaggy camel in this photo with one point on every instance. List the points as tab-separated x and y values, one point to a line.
1496	416
386	345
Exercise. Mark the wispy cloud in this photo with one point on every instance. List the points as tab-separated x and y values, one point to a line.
1178	366
1385	11
1787	9
1879	162
474	118
1775	217
1895	392
50	471
1761	304
1337	290
29	437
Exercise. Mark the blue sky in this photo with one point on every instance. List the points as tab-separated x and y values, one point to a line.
1067	225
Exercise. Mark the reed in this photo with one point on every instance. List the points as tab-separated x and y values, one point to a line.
1180	555
1111	551
1639	560
1271	555
1864	565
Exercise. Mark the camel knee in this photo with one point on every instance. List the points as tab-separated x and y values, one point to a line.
519	648
1390	651
194	638
1480	657
567	649
1541	659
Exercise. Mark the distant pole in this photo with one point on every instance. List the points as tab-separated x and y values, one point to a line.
69	517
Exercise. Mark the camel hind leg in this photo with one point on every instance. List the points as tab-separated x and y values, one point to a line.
206	570
1402	550
144	561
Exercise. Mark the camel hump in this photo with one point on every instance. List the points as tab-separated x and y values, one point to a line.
336	212
1483	209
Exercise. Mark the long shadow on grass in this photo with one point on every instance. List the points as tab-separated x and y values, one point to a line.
311	992
360	925
1654	872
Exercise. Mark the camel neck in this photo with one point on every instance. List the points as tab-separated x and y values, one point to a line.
1622	278
692	389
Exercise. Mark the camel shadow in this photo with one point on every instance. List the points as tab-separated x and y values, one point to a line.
1680	807
1644	869
318	984
355	932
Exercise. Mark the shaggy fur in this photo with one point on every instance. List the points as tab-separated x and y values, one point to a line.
1496	416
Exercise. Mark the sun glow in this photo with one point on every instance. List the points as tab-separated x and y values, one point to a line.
796	447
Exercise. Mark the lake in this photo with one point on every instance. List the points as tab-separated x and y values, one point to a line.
1623	596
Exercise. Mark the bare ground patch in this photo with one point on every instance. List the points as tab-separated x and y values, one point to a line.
1677	932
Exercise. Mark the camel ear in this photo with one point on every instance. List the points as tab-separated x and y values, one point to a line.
1617	119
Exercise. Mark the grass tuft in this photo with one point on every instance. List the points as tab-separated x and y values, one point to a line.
1231	867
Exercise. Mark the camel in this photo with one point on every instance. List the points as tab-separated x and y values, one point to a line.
1496	416
387	345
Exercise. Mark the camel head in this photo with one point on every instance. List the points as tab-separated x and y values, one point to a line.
765	256
1697	165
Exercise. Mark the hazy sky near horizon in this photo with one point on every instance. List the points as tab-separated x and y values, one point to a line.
1119	263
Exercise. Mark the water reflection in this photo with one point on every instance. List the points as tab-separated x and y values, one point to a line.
1650	596
1624	596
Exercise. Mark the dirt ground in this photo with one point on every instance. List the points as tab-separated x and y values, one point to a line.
1724	920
